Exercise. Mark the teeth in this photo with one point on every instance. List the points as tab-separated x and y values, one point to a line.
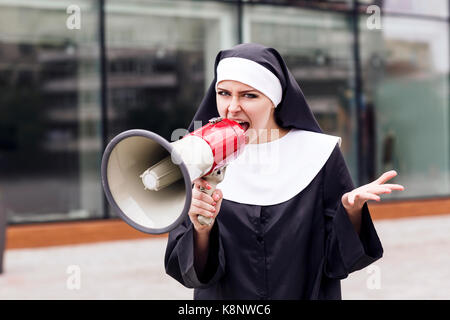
239	121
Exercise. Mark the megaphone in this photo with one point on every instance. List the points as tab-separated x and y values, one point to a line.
148	180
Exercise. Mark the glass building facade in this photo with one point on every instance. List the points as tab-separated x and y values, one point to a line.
381	82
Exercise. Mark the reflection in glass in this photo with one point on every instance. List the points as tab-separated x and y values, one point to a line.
406	71
49	112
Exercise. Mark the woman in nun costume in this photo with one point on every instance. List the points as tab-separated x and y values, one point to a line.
290	225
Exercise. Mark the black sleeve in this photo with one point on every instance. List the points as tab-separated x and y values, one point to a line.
346	251
179	257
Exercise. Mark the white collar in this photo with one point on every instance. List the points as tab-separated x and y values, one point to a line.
273	172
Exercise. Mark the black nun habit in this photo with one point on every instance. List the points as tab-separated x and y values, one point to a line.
282	234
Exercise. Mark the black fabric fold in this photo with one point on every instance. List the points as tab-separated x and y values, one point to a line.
346	250
179	257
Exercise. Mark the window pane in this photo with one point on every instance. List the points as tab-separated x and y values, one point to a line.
406	76
317	47
161	60
49	112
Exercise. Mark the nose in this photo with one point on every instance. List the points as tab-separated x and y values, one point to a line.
235	105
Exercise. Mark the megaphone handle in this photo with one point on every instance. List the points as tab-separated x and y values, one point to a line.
213	179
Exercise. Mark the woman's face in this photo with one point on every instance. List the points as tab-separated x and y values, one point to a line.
242	103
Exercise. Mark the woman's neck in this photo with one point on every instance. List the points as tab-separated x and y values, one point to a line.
267	135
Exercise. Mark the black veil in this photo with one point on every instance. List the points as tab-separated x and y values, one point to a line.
293	110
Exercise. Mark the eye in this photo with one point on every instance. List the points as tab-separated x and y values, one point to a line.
250	95
222	93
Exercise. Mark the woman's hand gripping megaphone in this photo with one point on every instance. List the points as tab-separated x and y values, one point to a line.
206	199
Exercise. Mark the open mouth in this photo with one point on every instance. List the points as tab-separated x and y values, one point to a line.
245	125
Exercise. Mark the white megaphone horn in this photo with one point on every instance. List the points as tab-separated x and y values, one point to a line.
148	180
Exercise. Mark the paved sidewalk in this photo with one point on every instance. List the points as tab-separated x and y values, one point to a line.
415	266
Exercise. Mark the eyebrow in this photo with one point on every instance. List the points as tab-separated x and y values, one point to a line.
239	91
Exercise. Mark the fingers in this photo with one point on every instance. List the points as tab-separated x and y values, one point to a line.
369	196
384	188
370	193
217	195
199	195
378	189
372	190
201	183
203	212
195	212
394	186
204	205
386	176
362	196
